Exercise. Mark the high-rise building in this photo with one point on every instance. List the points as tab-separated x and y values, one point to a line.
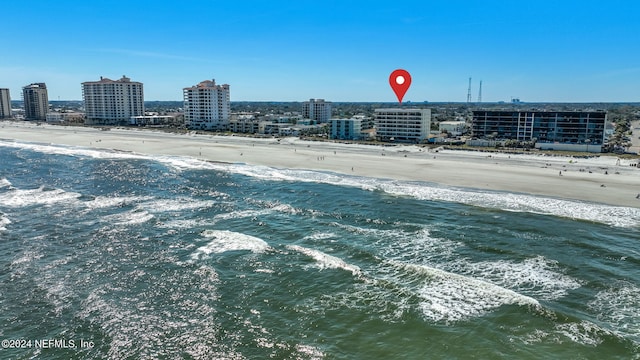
36	101
317	109
207	106
5	104
400	124
112	102
561	130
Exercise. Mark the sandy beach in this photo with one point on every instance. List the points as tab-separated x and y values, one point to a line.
603	179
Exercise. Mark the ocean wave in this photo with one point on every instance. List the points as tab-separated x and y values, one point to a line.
325	261
4	221
536	276
101	202
606	214
224	240
176	204
133	217
186	224
4	183
73	150
451	297
39	196
239	214
583	332
618	306
320	236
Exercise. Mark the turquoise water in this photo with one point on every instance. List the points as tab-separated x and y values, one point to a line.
118	255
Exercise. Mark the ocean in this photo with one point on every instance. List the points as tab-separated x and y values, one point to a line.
117	255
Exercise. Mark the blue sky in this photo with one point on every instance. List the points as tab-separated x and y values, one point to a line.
539	51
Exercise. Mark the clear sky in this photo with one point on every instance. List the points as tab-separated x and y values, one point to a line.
539	51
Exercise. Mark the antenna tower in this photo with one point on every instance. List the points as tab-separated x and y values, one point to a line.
480	93
469	92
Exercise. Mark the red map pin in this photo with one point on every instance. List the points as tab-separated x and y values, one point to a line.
400	80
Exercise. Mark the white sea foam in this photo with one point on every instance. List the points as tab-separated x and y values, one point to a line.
536	276
186	223
4	183
239	214
415	246
618	307
4	221
39	196
133	217
101	202
325	261
451	297
584	332
73	150
309	352
176	204
224	241
318	236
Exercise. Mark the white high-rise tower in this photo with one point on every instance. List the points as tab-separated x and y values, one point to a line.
207	106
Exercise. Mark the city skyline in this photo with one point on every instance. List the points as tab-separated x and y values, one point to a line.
339	51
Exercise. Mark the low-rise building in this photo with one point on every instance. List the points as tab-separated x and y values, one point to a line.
345	129
56	117
151	120
246	126
455	128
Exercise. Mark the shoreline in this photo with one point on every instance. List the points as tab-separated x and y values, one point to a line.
605	180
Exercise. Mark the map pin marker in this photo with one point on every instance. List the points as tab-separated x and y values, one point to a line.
400	80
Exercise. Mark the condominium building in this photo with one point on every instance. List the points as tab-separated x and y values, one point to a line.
5	104
112	102
36	101
562	130
317	110
207	106
400	124
345	129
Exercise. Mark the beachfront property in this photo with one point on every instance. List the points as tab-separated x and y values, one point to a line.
345	129
550	130
36	101
317	110
5	104
244	125
151	120
404	125
207	106
112	102
455	128
65	117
